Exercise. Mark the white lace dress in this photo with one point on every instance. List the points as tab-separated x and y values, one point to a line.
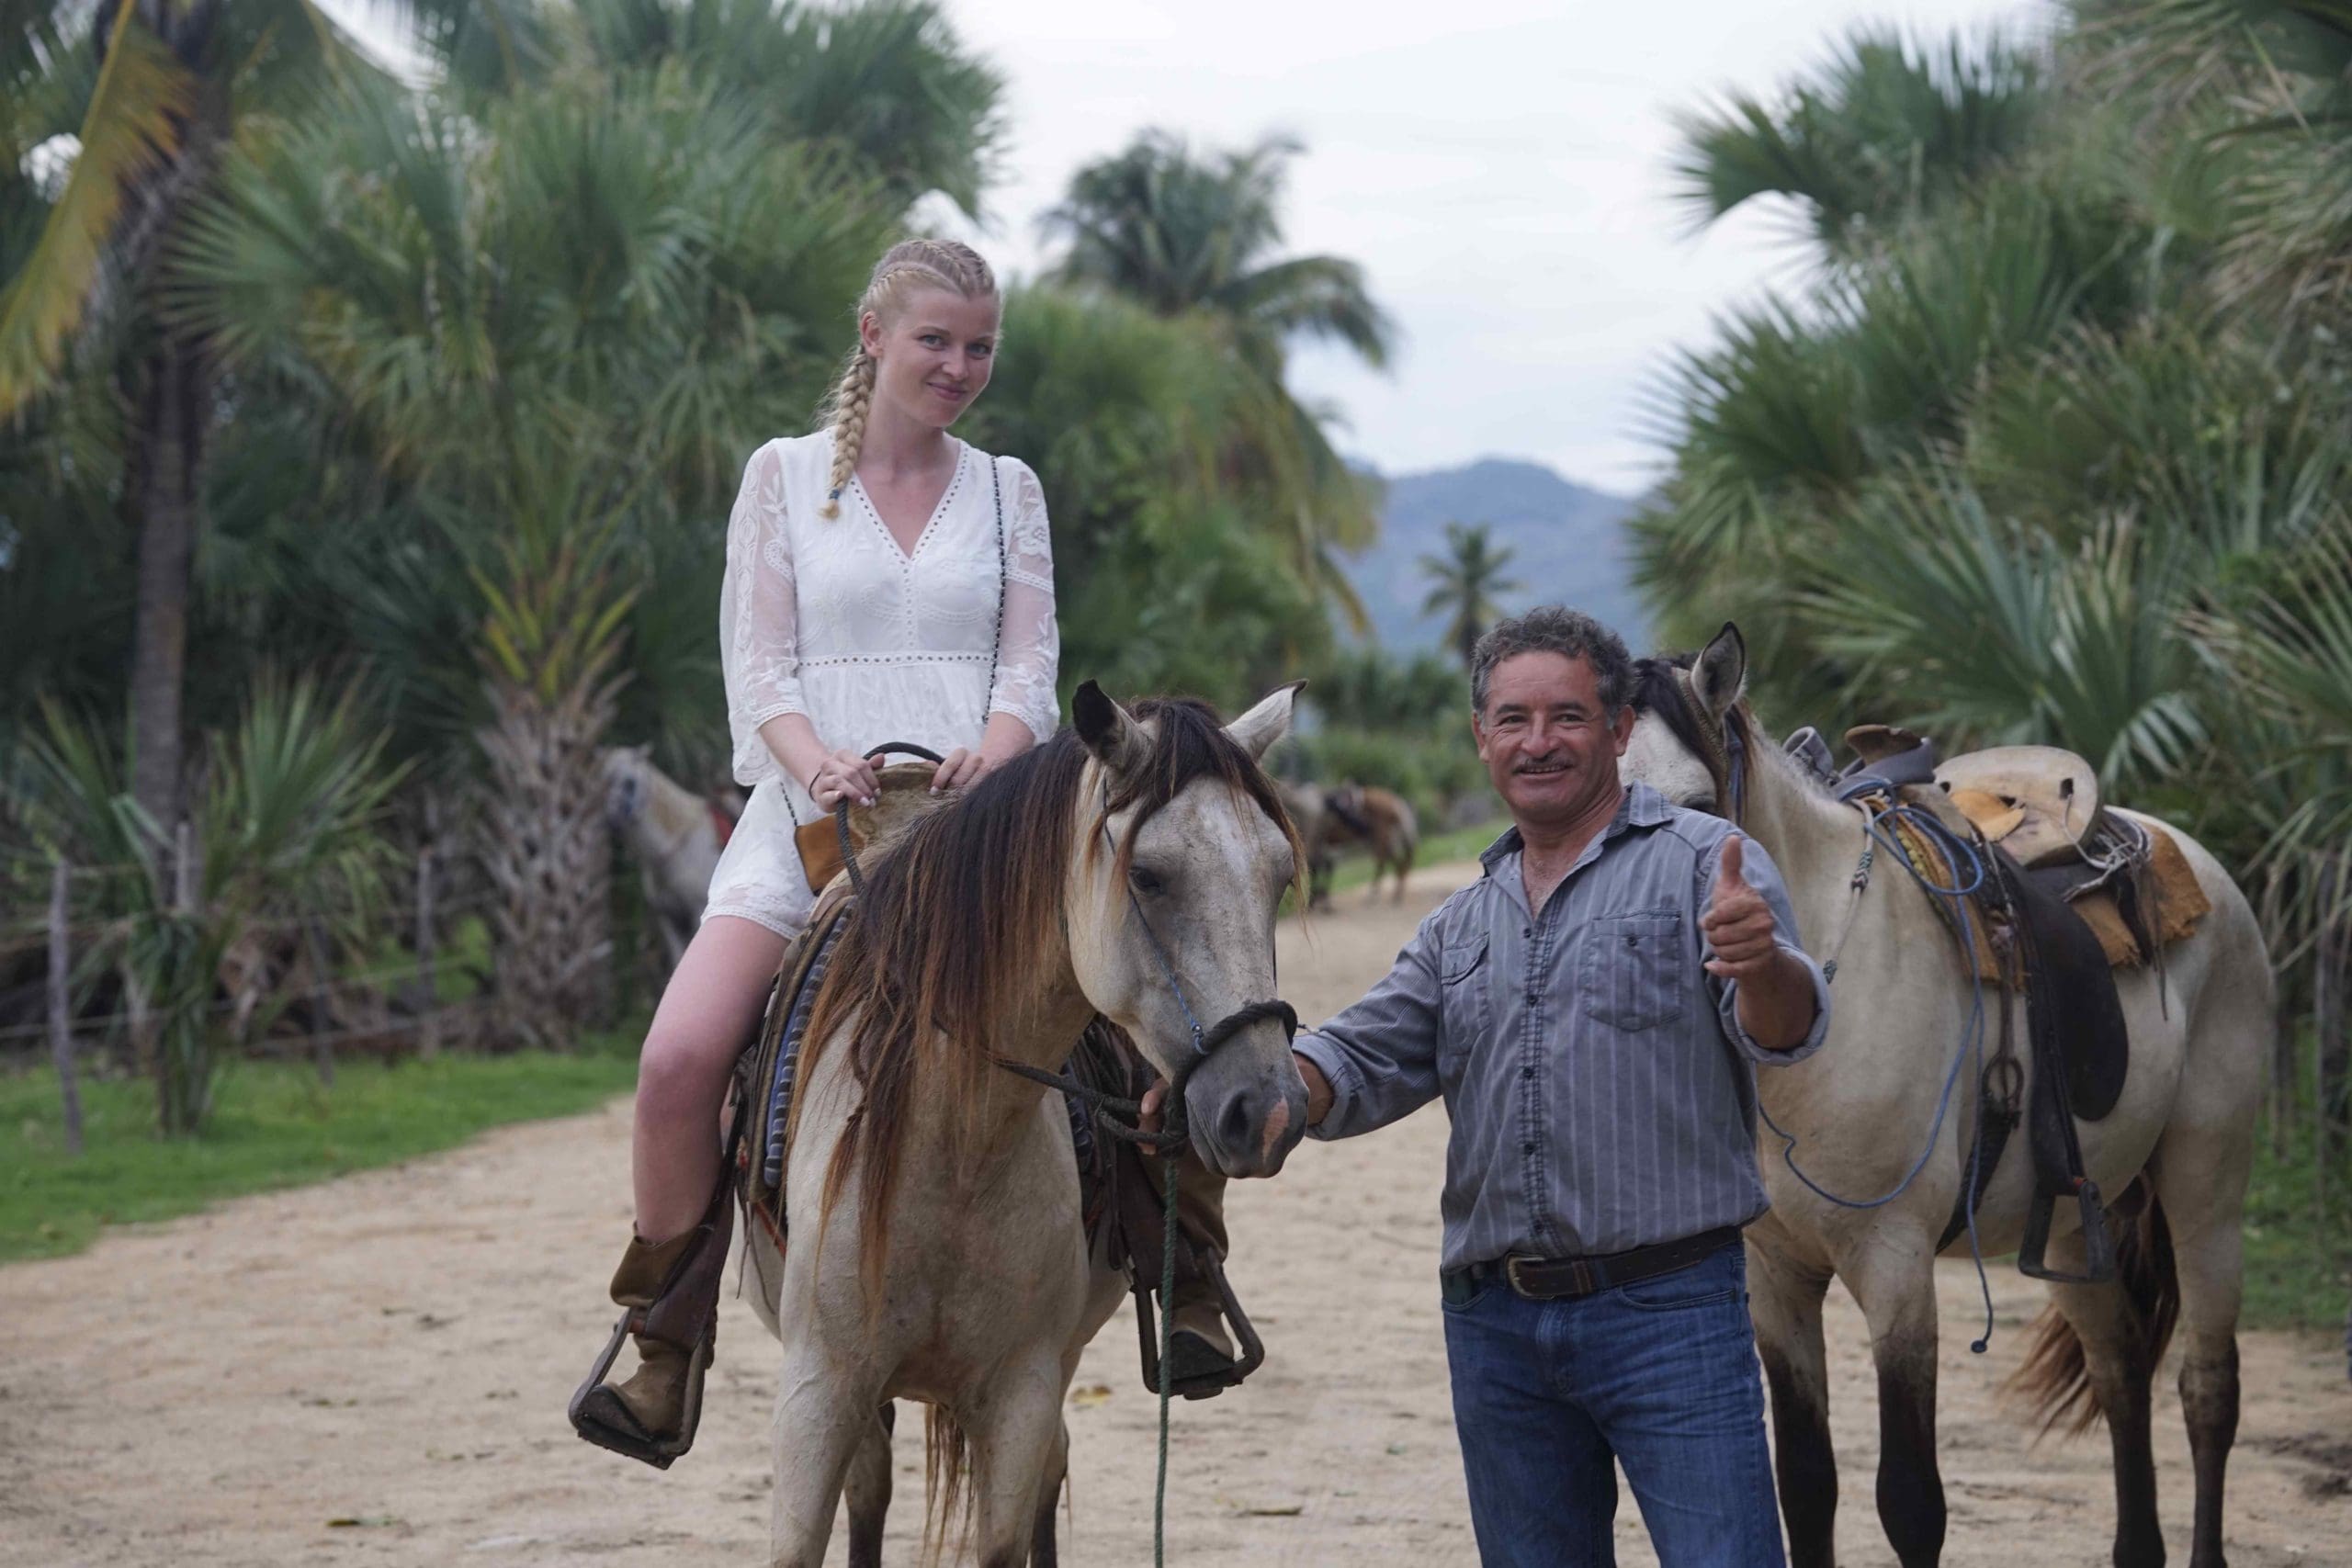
831	618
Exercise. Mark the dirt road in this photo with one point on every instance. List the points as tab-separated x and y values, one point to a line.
374	1371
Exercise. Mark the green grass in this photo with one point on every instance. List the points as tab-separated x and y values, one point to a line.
2298	1250
274	1127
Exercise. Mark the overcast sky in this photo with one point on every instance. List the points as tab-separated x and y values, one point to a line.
1501	168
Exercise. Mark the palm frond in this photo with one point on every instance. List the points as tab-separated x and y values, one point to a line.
1883	133
132	130
1315	296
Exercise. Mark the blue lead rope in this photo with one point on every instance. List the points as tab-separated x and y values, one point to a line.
1971	1040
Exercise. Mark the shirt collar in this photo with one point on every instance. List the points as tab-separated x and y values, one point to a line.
1640	807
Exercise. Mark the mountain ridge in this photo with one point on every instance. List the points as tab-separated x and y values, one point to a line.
1569	541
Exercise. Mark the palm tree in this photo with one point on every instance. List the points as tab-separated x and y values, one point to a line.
1886	131
158	91
288	826
887	82
1180	233
1469	579
1200	236
546	325
2052	446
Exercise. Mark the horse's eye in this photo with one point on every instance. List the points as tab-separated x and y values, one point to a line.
1148	883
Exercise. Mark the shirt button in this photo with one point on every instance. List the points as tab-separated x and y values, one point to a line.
1527	930
1527	1072
1527	1148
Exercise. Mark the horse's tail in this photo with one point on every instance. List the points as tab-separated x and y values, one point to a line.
946	1469
2053	1381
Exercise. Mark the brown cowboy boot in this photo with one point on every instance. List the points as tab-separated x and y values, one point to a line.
1202	1362
670	1291
1200	1352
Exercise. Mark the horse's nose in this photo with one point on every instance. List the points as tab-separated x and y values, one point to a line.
1248	1120
1236	1122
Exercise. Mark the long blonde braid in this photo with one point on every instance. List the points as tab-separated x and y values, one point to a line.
910	263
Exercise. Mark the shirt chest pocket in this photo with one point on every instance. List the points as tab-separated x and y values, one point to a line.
1464	1005
1634	971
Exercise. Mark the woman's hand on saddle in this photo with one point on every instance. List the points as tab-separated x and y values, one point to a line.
1005	738
960	768
844	773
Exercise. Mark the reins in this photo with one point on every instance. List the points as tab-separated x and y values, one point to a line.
1168	1144
1108	1110
1884	816
841	808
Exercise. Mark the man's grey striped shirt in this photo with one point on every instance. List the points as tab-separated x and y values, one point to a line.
1597	1079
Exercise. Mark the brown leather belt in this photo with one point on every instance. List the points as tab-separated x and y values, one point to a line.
1550	1278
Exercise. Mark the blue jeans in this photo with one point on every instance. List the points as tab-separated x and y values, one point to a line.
1661	1375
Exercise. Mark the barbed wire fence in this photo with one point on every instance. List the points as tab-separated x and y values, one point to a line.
413	986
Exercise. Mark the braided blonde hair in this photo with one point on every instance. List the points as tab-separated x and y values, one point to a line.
904	267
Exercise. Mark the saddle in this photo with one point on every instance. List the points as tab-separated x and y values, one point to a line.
2071	892
2038	803
1119	1204
2041	807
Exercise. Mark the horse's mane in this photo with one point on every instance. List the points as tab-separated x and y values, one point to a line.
1657	689
953	917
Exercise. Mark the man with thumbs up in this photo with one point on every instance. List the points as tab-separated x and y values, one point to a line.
1591	1011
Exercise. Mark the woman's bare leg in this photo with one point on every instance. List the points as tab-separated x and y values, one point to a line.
707	1013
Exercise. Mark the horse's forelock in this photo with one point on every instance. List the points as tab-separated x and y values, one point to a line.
1658	689
1661	687
1189	743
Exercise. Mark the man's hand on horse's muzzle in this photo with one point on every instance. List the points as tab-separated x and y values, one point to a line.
1318	1087
1155	1098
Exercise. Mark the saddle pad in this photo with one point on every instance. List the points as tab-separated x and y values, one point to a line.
796	1026
2180	903
764	1074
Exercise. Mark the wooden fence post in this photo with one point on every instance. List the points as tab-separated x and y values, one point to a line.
321	1023
428	995
2324	1002
184	869
60	1032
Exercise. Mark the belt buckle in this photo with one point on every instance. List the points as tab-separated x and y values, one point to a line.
1510	1273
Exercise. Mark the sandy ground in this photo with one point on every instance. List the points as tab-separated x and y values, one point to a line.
375	1370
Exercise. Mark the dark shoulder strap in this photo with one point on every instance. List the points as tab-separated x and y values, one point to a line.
996	643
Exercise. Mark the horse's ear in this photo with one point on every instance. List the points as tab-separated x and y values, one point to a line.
1268	722
1721	673
1107	729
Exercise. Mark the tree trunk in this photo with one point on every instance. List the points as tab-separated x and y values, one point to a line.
2332	1052
61	1020
548	852
161	497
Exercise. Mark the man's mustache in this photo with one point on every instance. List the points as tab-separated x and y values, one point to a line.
1550	760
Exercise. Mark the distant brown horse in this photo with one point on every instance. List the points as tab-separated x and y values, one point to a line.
1379	819
1129	867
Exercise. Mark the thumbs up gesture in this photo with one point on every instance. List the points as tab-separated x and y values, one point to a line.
1737	924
